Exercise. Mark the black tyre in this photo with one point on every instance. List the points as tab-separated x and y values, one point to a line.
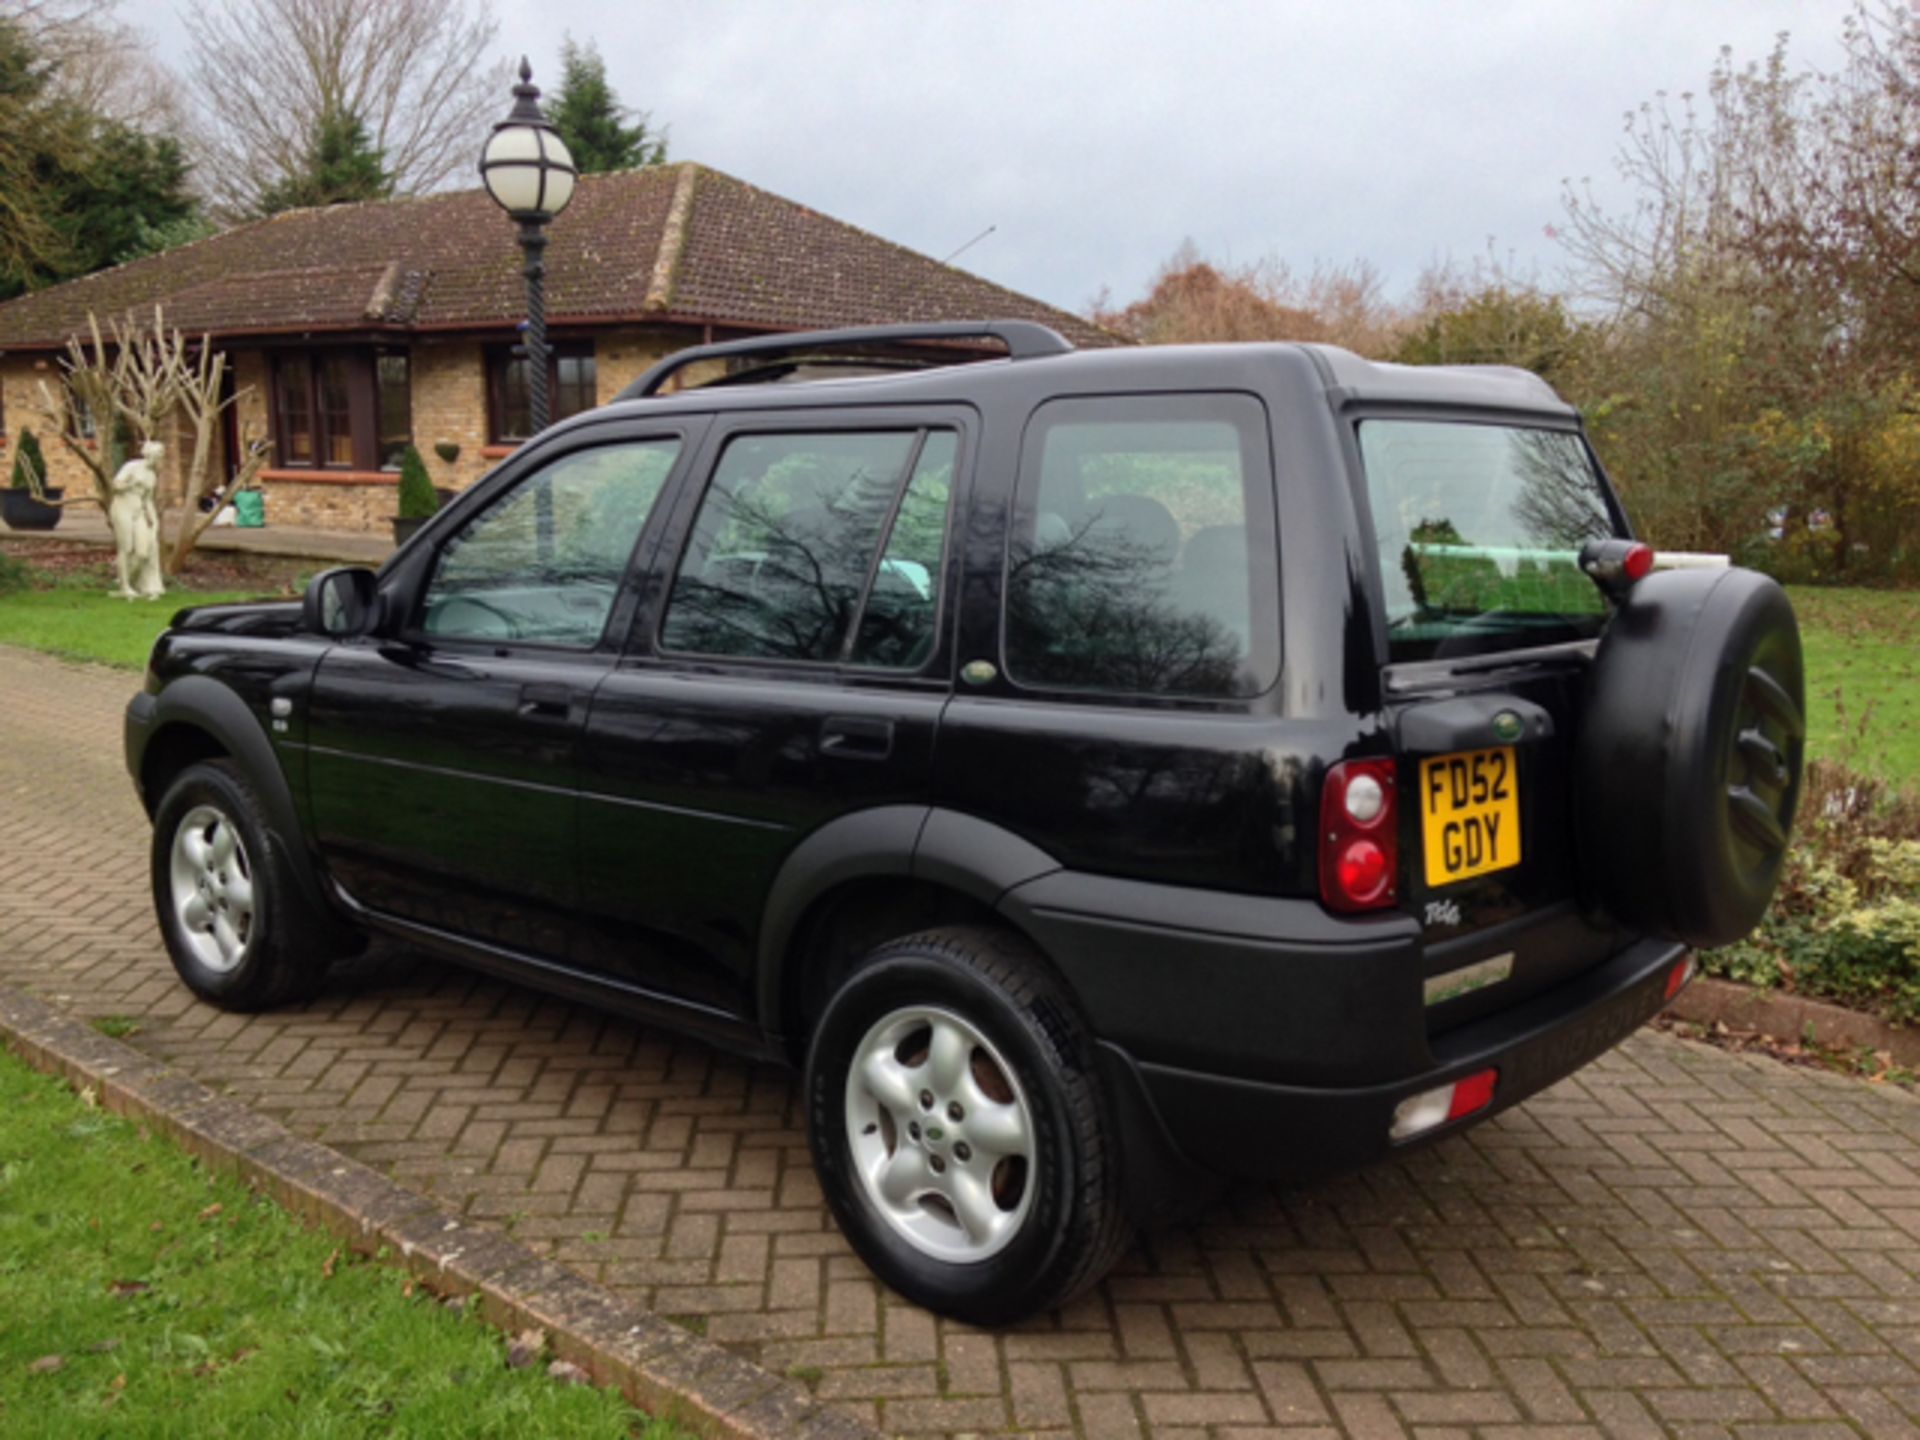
1690	755
957	1125
235	925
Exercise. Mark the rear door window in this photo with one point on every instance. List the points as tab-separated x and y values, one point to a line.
1479	529
819	546
1144	557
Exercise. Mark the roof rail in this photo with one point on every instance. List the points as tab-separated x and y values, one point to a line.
1024	340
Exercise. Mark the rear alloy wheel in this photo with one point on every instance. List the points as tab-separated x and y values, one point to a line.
959	1130
942	1134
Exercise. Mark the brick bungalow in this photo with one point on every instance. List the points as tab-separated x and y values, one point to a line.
357	329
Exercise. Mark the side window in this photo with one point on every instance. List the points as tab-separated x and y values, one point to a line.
1144	556
542	563
788	544
897	623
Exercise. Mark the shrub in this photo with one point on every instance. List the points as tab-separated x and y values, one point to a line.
15	574
418	499
1845	923
27	456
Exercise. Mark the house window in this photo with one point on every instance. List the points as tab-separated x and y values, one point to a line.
571	381
342	409
393	381
336	412
80	423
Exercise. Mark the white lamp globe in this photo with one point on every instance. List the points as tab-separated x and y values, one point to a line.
526	165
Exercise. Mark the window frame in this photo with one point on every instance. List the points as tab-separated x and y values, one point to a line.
497	358
646	641
361	363
1020	512
421	567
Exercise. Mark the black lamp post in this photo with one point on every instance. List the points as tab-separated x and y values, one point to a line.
527	170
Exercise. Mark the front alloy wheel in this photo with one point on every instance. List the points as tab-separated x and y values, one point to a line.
212	885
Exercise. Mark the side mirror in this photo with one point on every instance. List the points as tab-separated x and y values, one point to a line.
341	603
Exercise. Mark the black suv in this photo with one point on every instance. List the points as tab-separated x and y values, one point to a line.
1102	770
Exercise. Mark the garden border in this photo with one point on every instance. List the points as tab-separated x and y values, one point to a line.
1793	1017
661	1368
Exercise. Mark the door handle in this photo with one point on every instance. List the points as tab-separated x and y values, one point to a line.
856	737
546	702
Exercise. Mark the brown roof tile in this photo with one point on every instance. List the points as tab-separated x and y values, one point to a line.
678	240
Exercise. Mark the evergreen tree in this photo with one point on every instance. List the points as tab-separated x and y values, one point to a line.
417	498
78	190
341	166
601	132
29	465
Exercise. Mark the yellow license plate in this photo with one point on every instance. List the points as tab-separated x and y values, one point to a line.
1470	814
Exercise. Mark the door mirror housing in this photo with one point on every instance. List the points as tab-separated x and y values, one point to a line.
343	603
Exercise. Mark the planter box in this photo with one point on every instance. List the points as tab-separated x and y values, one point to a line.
22	512
403	529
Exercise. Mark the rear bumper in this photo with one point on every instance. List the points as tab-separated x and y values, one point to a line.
1251	1128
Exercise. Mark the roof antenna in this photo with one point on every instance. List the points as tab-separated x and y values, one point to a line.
971	243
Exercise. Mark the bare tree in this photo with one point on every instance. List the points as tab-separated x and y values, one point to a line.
142	376
414	73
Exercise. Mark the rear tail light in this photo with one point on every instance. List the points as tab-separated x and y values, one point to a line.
1443	1104
1359	837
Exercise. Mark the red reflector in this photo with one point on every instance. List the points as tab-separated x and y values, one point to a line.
1473	1093
1678	976
1638	562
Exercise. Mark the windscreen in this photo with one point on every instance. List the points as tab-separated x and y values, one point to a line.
1480	529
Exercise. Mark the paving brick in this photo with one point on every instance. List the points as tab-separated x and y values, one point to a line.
1675	1241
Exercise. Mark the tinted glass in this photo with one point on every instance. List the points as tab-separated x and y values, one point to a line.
897	622
1479	529
1144	557
787	535
542	564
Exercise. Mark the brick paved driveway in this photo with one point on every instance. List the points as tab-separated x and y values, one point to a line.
1677	1241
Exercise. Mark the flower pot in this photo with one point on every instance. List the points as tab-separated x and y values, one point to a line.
22	512
403	529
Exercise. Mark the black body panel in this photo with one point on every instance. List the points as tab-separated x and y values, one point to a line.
651	832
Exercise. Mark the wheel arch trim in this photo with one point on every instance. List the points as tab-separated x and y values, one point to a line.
907	842
199	702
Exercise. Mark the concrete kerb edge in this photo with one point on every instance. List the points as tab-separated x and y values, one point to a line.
660	1367
1793	1017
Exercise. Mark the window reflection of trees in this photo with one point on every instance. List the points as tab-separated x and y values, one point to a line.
1095	611
782	557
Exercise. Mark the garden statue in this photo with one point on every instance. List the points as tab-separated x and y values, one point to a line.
136	525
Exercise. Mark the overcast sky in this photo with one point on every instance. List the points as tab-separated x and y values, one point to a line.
1097	136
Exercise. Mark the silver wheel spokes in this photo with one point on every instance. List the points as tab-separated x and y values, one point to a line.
212	883
942	1134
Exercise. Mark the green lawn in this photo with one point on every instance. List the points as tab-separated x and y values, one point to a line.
1863	678
139	1296
83	623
